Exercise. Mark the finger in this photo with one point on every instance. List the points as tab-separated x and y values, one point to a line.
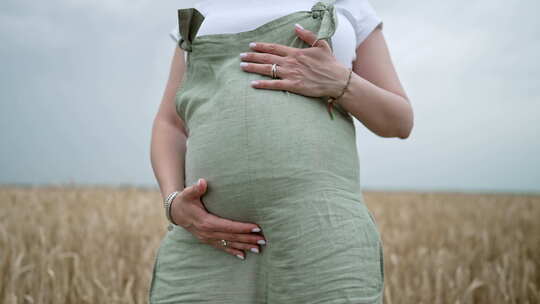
236	245
240	246
211	222
263	69
237	252
262	58
272	48
279	84
310	37
247	238
322	43
306	35
196	190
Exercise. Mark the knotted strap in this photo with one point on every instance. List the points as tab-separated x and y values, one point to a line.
325	11
189	22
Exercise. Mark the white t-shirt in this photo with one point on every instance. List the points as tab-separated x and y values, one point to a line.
356	20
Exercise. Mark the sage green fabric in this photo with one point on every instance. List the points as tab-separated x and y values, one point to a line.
274	158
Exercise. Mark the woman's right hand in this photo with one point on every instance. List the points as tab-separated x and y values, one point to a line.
188	211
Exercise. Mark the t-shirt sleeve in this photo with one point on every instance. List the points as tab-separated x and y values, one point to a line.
362	16
175	34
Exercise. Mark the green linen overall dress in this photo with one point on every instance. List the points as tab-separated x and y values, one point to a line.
277	159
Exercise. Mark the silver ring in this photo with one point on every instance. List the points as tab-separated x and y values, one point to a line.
224	243
274	71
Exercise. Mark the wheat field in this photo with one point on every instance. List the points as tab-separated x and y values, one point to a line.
74	244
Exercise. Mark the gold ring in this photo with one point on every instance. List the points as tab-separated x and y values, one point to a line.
274	71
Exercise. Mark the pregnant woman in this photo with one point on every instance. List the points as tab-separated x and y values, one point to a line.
270	167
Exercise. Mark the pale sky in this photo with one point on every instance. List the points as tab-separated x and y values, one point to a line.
81	81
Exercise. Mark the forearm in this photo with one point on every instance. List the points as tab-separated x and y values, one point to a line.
167	155
385	113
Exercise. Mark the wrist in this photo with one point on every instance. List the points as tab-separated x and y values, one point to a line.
341	83
346	89
167	204
171	210
333	99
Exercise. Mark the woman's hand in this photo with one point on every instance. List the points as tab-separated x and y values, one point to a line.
313	71
188	211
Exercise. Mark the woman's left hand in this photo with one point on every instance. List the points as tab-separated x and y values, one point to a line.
312	71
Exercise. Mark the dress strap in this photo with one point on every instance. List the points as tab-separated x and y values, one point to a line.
325	10
189	22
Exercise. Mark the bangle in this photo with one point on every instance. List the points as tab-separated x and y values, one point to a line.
167	204
331	100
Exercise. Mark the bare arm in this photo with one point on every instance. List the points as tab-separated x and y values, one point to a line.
168	144
375	95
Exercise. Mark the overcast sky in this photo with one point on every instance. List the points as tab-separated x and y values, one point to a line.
81	81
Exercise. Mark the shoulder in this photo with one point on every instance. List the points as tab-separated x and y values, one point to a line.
362	15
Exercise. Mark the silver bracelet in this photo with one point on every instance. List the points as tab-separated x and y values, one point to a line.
167	204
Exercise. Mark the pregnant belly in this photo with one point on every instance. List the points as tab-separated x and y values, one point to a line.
266	149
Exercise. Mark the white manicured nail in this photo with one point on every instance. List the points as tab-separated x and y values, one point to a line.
298	25
254	82
242	55
257	229
240	256
262	242
243	64
256	250
252	44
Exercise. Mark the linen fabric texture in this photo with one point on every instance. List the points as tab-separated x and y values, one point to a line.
274	158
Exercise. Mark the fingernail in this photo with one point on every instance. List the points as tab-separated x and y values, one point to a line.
199	182
252	44
240	256
242	55
242	64
262	242
257	229
256	250
298	26
254	82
